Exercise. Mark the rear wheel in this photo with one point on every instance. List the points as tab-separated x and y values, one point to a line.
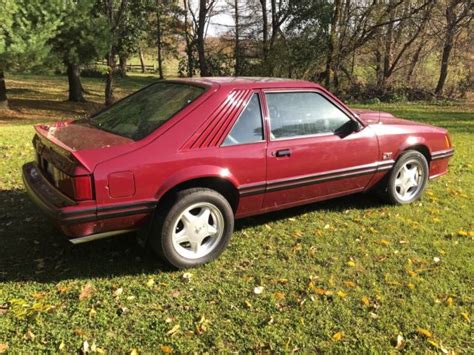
193	230
408	178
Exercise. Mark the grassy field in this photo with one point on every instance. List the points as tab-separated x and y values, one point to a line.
349	275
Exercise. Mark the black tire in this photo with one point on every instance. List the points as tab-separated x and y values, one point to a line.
390	192
165	220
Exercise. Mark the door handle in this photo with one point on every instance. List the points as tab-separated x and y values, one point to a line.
282	153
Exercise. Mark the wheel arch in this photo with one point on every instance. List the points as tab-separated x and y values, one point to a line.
421	148
418	144
215	178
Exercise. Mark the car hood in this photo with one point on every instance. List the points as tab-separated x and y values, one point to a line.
378	117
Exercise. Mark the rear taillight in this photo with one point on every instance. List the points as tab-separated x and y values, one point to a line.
78	188
82	188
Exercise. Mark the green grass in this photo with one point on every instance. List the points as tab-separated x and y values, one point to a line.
352	265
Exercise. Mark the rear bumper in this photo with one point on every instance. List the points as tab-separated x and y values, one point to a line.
78	220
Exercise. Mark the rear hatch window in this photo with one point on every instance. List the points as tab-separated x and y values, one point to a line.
139	114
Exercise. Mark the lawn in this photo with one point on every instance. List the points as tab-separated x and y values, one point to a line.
348	275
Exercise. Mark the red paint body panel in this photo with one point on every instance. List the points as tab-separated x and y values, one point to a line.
130	177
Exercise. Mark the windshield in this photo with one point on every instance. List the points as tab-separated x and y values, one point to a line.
138	115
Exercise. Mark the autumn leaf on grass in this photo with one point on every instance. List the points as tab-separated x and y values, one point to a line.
173	330
86	292
424	332
118	292
351	263
400	342
338	336
166	349
279	296
365	301
3	348
438	346
341	294
150	283
201	325
465	315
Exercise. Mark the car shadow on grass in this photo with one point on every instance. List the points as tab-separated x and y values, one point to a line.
33	250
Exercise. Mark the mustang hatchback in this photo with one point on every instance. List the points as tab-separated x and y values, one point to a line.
180	160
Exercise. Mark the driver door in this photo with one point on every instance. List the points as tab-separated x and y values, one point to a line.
313	153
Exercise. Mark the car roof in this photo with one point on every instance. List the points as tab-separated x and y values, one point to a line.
249	82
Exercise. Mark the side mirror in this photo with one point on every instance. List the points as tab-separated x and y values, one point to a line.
348	128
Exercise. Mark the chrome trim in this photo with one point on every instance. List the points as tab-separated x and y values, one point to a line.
441	154
98	236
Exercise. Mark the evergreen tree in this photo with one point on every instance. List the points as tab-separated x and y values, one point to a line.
26	26
82	37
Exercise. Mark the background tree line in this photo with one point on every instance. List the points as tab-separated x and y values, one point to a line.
355	47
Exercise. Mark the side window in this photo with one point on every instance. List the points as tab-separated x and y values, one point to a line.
303	113
248	127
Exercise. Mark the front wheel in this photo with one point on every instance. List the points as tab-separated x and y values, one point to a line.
195	230
408	178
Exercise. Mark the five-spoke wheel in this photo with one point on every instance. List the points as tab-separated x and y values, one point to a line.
408	178
194	229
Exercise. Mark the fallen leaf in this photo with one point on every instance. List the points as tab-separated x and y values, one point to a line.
465	315
424	332
365	301
338	336
173	330
86	292
384	242
134	352
186	277
350	283
85	347
400	343
351	263
30	335
3	348
166	349
438	346
175	293
150	283
279	296
341	294
62	346
258	290
118	292
248	304
450	301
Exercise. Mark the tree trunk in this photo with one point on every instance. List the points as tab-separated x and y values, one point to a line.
123	65
189	48
109	79
265	29
203	11
3	90
237	39
74	79
414	61
142	59
159	46
332	44
447	47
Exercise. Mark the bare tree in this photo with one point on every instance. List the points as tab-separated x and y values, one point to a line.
458	13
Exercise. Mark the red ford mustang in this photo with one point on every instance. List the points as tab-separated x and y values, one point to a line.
181	159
